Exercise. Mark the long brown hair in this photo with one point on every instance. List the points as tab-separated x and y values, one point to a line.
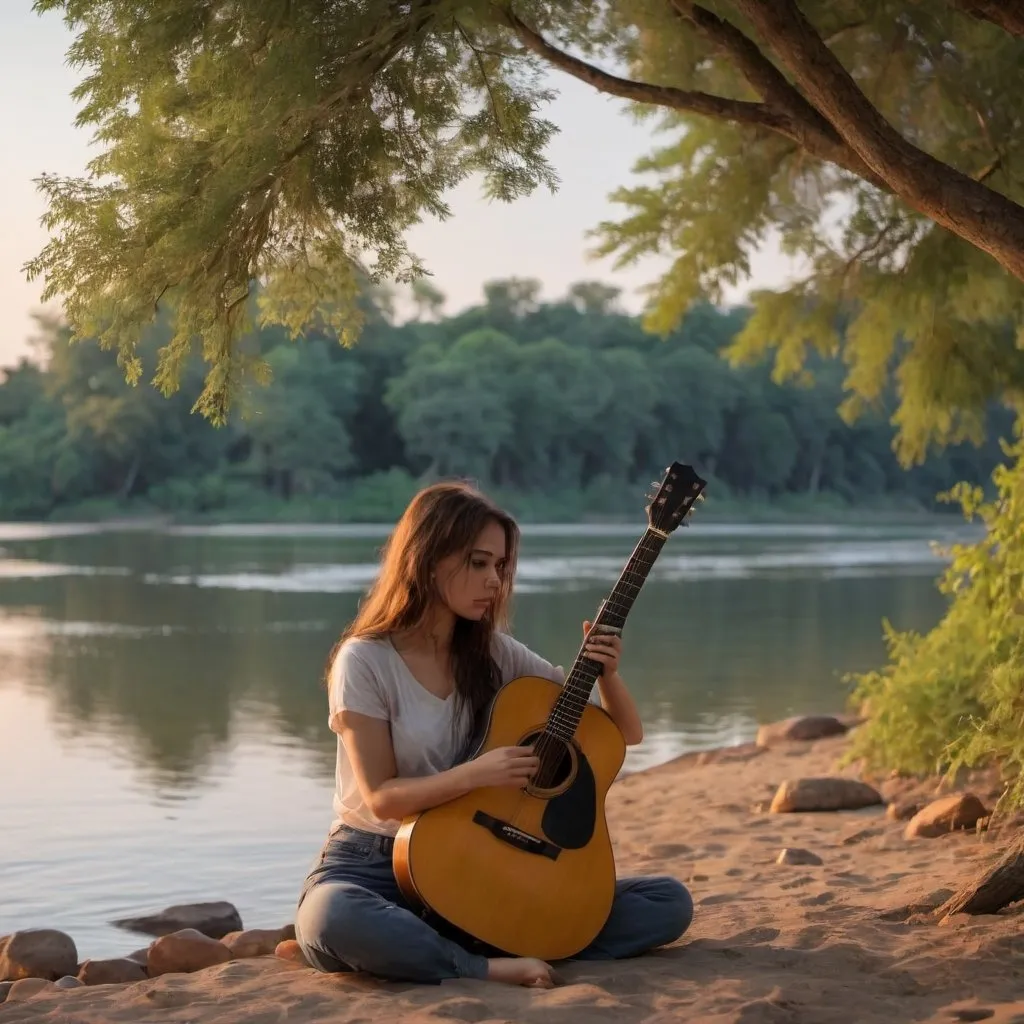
441	520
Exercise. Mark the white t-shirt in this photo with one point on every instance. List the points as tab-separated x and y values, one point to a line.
370	678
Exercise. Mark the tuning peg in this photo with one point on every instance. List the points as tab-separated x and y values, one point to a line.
701	497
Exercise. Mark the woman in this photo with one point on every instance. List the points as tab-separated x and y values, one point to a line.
408	684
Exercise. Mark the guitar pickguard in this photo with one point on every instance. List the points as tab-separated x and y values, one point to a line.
570	818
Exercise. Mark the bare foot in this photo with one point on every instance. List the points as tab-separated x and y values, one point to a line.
521	971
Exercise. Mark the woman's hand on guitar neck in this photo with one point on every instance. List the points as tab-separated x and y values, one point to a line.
615	697
605	648
503	766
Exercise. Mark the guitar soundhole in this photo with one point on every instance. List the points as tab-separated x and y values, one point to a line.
557	765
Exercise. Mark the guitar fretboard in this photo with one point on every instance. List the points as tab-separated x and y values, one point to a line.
579	682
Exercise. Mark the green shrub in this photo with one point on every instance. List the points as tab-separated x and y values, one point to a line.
955	697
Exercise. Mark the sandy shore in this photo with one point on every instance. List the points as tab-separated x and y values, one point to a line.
834	942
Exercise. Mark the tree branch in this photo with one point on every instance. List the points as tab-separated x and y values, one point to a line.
809	128
1007	14
843	29
692	101
969	209
375	53
764	77
823	144
483	72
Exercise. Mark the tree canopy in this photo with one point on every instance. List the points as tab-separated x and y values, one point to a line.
292	145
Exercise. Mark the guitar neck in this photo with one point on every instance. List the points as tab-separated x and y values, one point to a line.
579	682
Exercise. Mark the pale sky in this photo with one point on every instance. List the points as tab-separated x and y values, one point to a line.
542	236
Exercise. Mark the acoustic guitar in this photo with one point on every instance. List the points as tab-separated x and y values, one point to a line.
530	871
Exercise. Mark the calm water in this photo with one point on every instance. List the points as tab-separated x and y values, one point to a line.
163	733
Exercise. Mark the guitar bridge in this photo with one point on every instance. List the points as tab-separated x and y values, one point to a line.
516	837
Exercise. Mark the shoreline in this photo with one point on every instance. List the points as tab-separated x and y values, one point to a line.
792	508
732	513
840	931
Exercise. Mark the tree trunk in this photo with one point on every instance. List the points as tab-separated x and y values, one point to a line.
814	483
129	480
994	889
967	208
1007	14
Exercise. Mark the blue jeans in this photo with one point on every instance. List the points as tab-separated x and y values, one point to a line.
352	917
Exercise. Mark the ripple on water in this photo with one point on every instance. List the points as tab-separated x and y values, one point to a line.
538	573
25	568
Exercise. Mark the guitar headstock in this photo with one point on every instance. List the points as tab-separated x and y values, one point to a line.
675	497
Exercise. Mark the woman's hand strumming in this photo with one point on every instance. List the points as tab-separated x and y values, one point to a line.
503	766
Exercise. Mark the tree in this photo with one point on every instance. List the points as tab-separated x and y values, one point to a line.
428	300
697	392
450	406
513	298
297	428
762	445
32	428
559	393
594	296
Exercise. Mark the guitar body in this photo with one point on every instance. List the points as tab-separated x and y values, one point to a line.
529	872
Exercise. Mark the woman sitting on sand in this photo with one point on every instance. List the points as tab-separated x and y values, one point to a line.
406	684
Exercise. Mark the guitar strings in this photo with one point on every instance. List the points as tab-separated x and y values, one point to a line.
569	706
551	747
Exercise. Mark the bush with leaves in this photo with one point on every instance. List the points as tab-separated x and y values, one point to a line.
955	697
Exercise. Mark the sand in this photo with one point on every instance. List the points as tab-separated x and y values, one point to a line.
769	942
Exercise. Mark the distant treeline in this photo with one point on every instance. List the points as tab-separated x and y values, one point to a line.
564	409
